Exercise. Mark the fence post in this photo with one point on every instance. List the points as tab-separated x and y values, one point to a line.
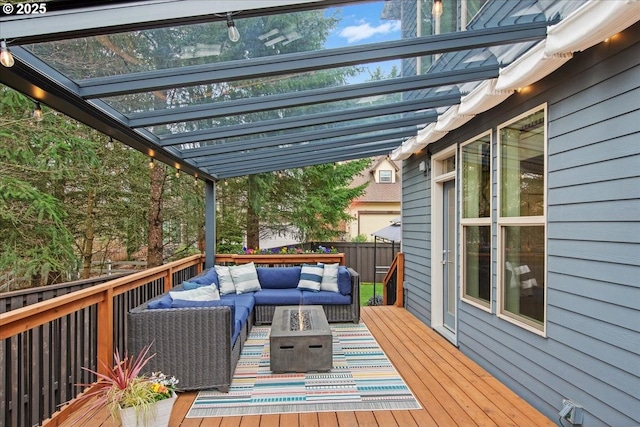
108	264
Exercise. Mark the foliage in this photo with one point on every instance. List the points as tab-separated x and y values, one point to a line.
360	238
69	193
123	387
36	243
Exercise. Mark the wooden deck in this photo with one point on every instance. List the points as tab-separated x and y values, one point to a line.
453	390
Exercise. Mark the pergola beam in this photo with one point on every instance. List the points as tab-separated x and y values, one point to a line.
338	156
308	149
309	97
315	135
310	61
296	122
62	22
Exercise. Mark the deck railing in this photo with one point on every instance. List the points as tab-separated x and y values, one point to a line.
43	346
392	284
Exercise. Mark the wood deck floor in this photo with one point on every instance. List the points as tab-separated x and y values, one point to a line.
452	389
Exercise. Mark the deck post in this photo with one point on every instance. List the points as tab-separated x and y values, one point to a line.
210	224
105	331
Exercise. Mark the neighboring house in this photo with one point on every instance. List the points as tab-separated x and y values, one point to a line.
521	216
380	203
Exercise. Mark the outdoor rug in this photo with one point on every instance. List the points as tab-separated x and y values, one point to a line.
362	379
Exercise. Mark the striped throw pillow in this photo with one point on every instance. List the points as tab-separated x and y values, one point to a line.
245	278
310	277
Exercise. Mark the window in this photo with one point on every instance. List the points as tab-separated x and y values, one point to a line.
476	221
521	219
385	176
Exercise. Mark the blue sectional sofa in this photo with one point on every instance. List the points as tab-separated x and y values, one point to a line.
199	341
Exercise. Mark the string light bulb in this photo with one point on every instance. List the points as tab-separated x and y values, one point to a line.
151	164
234	34
6	58
177	173
437	8
37	112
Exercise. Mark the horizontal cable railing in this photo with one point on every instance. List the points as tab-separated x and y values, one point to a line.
44	345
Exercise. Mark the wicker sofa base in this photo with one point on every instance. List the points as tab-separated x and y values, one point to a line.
194	344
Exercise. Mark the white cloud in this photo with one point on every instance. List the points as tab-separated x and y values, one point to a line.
356	33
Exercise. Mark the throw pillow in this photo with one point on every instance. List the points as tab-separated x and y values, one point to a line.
187	286
203	293
310	277
225	280
208	278
330	278
245	278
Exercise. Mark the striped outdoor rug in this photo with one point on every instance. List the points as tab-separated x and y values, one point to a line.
362	379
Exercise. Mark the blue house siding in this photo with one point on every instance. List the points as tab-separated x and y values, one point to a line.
591	352
416	242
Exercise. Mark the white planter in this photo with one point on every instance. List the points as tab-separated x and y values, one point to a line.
157	416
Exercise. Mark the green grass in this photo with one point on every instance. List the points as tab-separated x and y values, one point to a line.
366	292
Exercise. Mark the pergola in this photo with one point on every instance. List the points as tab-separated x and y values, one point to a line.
163	77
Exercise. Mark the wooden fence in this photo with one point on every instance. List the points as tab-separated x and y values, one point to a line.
370	260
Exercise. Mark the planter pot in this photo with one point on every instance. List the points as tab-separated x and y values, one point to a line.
157	416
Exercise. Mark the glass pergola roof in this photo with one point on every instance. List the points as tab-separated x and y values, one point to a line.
308	82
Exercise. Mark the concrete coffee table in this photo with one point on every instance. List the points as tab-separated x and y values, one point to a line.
300	340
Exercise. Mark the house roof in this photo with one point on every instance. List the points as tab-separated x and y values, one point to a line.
379	192
162	76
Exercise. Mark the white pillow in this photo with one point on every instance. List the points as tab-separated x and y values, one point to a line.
330	278
245	278
310	277
203	293
225	280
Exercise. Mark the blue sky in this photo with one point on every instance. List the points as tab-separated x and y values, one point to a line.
362	24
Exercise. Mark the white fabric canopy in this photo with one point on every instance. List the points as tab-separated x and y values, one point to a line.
529	68
482	98
451	119
591	24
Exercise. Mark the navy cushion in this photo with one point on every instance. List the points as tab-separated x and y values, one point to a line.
344	280
242	300
324	297
182	303
278	277
206	279
163	302
278	297
242	314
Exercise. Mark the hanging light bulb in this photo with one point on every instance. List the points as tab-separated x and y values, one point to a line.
37	112
151	164
177	173
234	34
6	58
437	8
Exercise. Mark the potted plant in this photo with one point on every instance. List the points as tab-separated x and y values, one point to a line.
131	398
